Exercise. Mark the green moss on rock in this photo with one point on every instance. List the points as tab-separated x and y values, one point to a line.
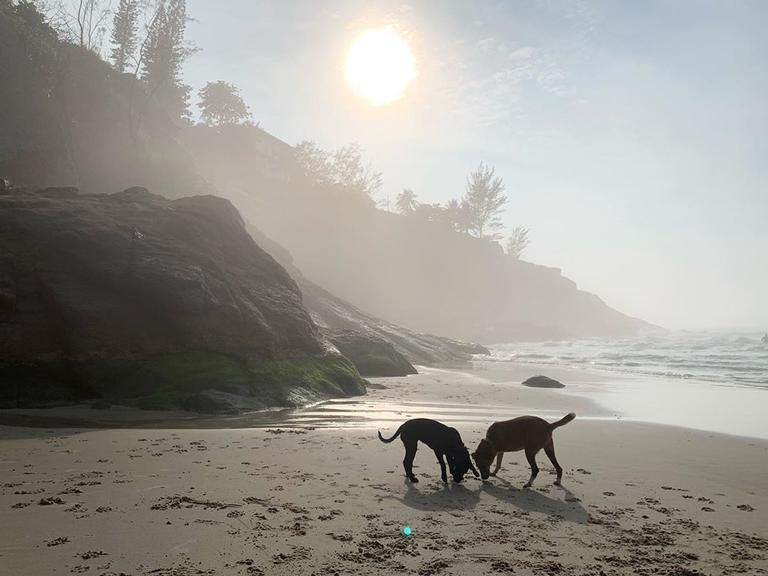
168	381
325	376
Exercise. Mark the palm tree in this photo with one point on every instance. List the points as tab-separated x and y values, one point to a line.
406	201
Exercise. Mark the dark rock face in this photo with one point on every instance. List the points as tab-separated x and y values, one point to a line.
131	295
221	402
371	355
543	382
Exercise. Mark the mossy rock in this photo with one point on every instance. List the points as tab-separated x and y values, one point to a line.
325	376
41	383
371	355
169	381
373	365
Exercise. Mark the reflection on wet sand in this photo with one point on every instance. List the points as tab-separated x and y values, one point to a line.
362	412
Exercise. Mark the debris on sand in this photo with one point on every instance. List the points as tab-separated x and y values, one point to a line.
169	502
57	541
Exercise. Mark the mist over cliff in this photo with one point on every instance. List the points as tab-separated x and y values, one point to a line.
417	273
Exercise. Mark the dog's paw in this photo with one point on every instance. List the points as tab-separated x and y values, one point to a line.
557	483
493	474
413	479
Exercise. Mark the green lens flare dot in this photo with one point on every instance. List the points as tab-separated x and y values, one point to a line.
407	531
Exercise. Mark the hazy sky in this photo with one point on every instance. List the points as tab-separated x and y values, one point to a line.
632	136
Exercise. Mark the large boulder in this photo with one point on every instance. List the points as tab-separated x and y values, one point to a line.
134	296
371	355
543	382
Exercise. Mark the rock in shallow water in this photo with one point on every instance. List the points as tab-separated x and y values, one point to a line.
543	382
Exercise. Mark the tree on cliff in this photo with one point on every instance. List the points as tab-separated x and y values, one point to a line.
517	242
406	201
433	213
163	55
343	168
458	215
124	34
485	199
221	104
81	22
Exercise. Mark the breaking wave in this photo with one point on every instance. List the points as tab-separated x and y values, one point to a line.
722	358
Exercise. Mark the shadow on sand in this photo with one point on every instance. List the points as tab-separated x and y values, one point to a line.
432	498
531	500
451	496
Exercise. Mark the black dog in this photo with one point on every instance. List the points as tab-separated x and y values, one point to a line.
443	440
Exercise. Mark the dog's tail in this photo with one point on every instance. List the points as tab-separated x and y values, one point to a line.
388	440
563	421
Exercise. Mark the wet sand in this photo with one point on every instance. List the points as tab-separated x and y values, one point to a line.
319	494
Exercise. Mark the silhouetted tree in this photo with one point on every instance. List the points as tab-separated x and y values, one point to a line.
517	242
124	33
432	213
406	201
458	215
353	174
220	104
484	197
343	168
314	162
82	22
163	55
155	56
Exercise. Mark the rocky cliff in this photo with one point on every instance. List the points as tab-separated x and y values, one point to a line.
375	346
414	273
132	296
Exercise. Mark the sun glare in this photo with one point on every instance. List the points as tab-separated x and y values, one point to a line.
380	65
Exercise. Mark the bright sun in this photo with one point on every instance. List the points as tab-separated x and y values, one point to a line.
380	65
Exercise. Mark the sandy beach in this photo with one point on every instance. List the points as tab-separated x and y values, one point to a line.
315	492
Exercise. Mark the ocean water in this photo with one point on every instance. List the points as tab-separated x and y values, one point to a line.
732	359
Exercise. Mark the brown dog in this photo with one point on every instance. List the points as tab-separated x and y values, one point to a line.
529	433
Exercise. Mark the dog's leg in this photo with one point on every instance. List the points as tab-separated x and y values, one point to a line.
550	451
531	455
441	461
499	456
410	454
